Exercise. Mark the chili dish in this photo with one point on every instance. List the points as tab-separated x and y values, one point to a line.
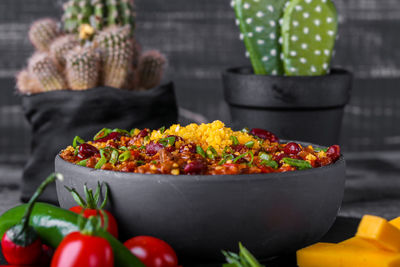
208	149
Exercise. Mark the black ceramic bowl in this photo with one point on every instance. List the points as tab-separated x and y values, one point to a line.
201	215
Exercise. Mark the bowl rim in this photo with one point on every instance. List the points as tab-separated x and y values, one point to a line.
210	178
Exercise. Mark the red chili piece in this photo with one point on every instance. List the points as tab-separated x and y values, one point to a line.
152	251
264	134
86	151
333	152
111	136
292	148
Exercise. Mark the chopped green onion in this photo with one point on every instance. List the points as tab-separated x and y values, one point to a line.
83	162
132	147
121	131
264	156
104	152
319	149
249	144
114	156
162	130
77	141
123	148
168	141
244	155
300	164
245	130
102	133
225	159
101	162
124	156
200	151
235	141
270	163
140	162
211	153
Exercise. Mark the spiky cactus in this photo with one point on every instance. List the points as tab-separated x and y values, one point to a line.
294	37
82	70
98	13
43	32
150	69
116	46
61	46
27	83
46	72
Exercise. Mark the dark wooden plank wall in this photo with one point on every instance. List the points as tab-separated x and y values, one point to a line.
201	40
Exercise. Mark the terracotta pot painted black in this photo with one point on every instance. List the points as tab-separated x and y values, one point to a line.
200	215
293	107
57	117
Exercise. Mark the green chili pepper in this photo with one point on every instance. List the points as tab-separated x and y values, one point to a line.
168	141
211	153
77	141
319	149
114	156
124	156
300	164
123	148
83	162
225	159
52	224
245	130
243	155
101	162
132	147
200	151
140	162
270	163
264	156
249	144
162	129
235	141
121	131
102	133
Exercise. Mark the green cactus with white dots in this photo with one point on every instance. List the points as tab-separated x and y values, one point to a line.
288	37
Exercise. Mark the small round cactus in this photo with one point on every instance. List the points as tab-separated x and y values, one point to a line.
43	32
46	72
27	83
61	46
83	67
150	70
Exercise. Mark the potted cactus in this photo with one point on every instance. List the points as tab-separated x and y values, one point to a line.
291	88
88	72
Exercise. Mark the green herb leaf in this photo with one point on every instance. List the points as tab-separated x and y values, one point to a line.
168	141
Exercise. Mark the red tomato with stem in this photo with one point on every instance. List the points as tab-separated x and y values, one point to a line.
78	249
153	252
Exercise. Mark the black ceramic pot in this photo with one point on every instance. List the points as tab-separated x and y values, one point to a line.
200	215
57	117
308	108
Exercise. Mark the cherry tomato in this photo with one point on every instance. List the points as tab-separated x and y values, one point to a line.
112	223
152	251
78	249
20	255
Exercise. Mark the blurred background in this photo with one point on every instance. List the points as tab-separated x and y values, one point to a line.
201	40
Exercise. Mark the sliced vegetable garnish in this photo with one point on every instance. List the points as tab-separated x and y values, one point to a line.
234	139
162	130
300	164
249	144
77	141
225	159
134	131
270	163
244	155
102	133
264	156
124	156
121	131
319	149
200	151
101	162
124	148
211	153
146	139
83	162
243	259
168	141
114	156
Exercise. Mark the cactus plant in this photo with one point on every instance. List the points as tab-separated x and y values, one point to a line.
294	37
46	72
98	13
43	32
150	69
61	46
309	34
116	46
27	83
259	23
82	70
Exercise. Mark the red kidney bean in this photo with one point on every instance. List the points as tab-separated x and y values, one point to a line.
333	152
195	167
264	134
111	136
292	148
86	151
152	148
